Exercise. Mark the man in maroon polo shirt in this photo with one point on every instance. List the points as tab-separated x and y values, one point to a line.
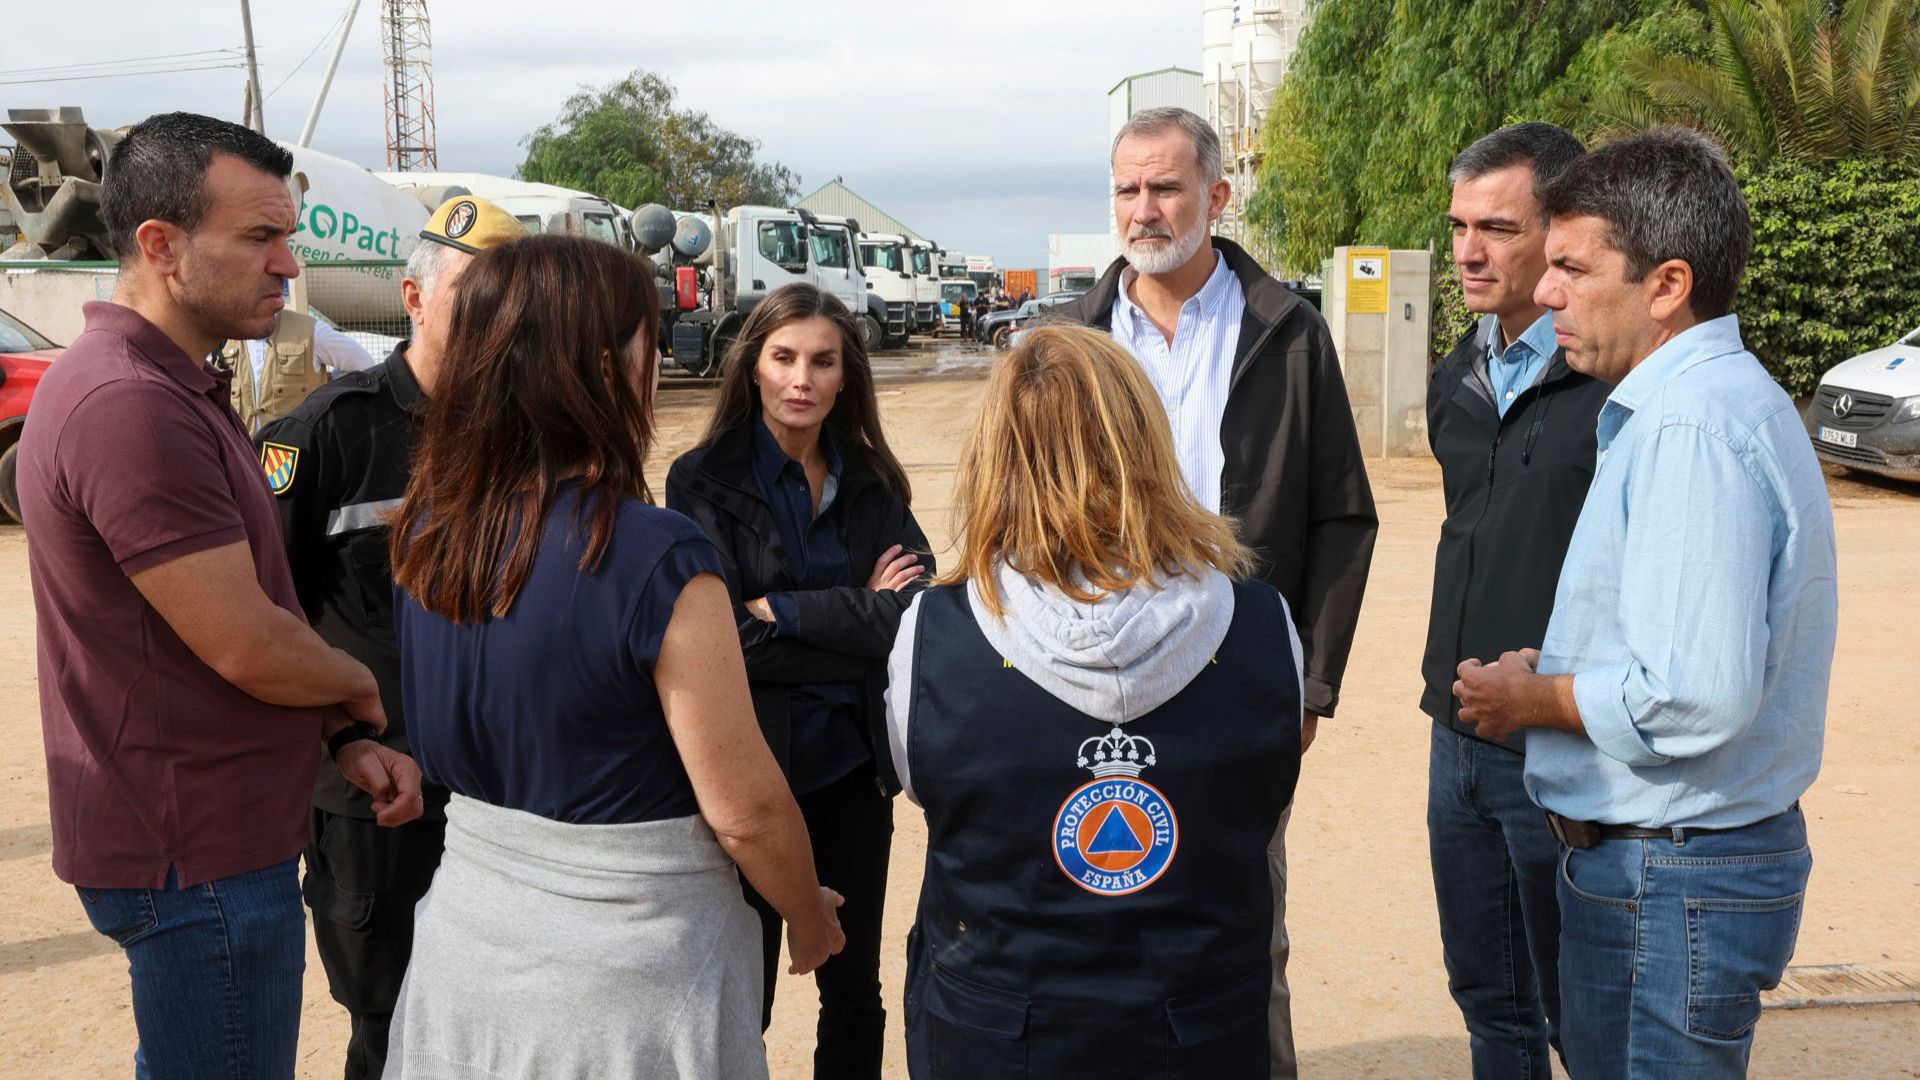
183	698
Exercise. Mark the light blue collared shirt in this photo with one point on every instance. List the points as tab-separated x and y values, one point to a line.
1518	366
1194	372
1697	607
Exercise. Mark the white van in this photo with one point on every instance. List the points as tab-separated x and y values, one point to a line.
1866	413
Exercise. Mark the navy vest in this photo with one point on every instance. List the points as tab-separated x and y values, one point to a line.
1096	897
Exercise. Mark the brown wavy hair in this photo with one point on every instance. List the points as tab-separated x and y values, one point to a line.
535	388
854	420
1070	476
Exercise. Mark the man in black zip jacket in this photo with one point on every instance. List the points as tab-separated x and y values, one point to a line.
1513	428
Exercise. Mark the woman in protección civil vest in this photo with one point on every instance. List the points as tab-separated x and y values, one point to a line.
1100	714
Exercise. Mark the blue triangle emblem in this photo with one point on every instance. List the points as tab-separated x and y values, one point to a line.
1114	836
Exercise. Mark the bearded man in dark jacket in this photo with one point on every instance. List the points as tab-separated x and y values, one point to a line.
1260	415
1514	429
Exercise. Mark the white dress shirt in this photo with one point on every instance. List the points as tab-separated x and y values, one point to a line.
1193	372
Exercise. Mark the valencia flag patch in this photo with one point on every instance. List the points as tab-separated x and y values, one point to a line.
279	462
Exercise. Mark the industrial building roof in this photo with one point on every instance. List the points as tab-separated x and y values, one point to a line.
836	198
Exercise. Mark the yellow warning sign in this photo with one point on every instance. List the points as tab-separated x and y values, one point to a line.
1367	281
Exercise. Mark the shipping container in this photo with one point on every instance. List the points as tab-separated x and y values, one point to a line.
1020	281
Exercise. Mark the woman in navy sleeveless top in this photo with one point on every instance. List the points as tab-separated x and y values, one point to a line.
569	661
1100	715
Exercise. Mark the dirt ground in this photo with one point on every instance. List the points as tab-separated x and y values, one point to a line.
1369	992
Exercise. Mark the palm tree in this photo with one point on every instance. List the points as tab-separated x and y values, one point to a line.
1798	79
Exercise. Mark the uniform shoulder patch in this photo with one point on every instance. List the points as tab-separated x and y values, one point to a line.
279	461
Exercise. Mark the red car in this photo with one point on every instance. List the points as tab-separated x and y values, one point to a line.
24	356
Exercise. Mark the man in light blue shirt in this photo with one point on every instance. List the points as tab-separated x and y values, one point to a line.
1679	698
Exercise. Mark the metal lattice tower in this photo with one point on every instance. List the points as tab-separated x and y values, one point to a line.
407	39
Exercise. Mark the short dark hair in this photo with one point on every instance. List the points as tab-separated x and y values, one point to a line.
1547	148
1666	193
159	171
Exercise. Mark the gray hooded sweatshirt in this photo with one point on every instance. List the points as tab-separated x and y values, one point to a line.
1113	660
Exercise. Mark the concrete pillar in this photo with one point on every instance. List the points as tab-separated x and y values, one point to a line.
1377	305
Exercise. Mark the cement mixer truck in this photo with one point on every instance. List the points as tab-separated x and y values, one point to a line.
760	249
51	189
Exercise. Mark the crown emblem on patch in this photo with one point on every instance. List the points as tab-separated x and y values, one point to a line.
1116	754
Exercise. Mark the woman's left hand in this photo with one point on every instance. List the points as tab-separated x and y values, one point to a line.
760	609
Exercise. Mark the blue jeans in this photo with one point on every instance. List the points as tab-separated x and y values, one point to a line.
1665	946
1493	880
216	972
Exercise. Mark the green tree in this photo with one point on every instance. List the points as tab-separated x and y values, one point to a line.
1800	79
1384	93
627	142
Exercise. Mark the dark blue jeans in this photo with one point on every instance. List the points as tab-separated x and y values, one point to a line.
1493	879
1666	945
216	972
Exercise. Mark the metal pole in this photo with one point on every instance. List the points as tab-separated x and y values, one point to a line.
258	121
320	100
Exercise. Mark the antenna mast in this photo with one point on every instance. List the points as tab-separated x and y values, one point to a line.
407	38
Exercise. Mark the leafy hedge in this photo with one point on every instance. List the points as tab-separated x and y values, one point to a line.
1836	247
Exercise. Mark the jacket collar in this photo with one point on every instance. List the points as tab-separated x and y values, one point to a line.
728	461
1266	298
406	385
1268	301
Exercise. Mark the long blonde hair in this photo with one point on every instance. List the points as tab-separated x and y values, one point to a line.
1069	476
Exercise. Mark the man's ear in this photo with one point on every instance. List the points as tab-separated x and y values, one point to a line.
414	299
1670	290
1219	193
162	245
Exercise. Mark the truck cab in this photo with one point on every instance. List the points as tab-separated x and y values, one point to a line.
889	272
837	258
926	287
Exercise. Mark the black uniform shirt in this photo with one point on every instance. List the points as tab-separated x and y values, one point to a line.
350	444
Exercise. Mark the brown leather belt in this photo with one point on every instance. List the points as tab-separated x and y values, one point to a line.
1582	835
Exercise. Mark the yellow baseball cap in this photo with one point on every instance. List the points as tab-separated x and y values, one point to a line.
471	224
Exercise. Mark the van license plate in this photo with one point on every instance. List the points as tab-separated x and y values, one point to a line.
1839	438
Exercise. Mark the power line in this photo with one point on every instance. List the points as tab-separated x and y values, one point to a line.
119	74
54	69
317	46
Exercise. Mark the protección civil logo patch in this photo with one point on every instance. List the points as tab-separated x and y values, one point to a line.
279	462
1117	834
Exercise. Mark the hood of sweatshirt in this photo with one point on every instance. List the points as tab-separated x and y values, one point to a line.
1120	657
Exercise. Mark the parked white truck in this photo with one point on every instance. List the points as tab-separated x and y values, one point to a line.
926	287
889	269
718	281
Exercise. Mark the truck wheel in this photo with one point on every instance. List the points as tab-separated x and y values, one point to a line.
872	334
9	476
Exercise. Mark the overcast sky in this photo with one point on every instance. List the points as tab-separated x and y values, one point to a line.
982	125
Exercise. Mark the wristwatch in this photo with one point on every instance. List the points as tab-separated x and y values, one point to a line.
353	732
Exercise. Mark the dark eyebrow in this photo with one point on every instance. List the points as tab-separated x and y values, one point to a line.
1486	223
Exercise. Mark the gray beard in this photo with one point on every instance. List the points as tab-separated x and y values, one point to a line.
1168	257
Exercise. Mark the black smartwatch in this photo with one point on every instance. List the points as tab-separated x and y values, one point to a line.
353	732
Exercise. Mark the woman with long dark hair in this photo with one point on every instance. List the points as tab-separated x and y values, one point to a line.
571	671
797	488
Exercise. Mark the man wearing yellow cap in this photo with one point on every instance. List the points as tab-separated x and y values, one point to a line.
339	463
